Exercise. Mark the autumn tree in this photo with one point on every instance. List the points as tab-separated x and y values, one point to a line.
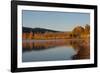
87	29
78	31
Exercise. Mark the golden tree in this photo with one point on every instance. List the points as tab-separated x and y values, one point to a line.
87	29
77	31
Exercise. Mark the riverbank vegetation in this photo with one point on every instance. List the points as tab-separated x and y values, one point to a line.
78	32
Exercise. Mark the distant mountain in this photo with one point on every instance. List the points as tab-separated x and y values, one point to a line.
42	30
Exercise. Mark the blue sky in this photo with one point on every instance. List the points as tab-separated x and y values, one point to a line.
61	21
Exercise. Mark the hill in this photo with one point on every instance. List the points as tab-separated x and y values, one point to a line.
34	30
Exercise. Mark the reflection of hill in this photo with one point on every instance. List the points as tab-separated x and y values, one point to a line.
81	46
45	44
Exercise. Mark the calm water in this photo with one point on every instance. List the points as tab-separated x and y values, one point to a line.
51	50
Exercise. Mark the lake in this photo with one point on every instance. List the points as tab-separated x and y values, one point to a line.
52	50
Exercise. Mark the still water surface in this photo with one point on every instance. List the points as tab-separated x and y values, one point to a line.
51	50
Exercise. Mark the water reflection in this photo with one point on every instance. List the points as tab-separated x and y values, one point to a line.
80	46
83	49
44	44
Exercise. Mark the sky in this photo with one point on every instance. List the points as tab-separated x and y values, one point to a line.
60	21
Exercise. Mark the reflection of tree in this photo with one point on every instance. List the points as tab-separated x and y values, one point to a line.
76	45
83	50
46	44
81	47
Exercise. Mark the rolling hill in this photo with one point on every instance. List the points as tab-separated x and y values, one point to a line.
41	30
